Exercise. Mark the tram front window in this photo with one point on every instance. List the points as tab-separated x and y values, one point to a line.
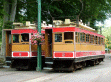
24	37
16	38
58	37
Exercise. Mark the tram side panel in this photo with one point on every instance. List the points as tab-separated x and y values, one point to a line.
24	54
72	55
86	52
63	51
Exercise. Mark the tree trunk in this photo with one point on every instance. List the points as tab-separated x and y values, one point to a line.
5	19
13	11
6	10
10	11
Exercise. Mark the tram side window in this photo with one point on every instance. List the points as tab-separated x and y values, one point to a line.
77	37
95	40
68	37
91	39
82	37
24	37
58	37
98	40
101	40
87	37
16	38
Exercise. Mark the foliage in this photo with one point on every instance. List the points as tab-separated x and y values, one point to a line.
1	18
108	42
93	10
8	25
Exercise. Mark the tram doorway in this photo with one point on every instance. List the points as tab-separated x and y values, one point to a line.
48	42
8	44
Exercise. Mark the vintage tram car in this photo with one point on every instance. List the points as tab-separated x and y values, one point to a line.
20	52
74	47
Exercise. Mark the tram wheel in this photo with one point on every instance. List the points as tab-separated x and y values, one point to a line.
92	63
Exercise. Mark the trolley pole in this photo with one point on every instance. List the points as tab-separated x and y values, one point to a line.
39	61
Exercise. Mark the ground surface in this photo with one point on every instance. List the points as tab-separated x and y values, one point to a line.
97	73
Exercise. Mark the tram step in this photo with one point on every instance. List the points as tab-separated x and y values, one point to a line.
48	62
8	61
48	65
47	68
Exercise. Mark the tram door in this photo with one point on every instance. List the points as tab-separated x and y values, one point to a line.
8	44
48	42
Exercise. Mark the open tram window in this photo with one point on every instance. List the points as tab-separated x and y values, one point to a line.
68	37
82	37
87	37
98	40
25	37
91	39
95	40
101	40
77	37
58	37
16	38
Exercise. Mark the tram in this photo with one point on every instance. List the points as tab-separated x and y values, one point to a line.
74	47
20	52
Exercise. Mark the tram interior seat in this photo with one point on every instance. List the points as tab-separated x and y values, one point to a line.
68	37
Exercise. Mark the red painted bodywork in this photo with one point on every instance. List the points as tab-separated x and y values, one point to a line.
20	54
64	29
77	54
63	54
20	31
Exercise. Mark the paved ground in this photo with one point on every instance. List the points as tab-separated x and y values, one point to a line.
98	73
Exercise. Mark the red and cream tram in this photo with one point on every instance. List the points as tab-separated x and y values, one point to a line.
74	47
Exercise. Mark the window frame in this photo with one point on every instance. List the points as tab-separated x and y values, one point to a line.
70	40
62	37
91	39
77	37
21	37
99	40
87	38
12	38
83	38
95	39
